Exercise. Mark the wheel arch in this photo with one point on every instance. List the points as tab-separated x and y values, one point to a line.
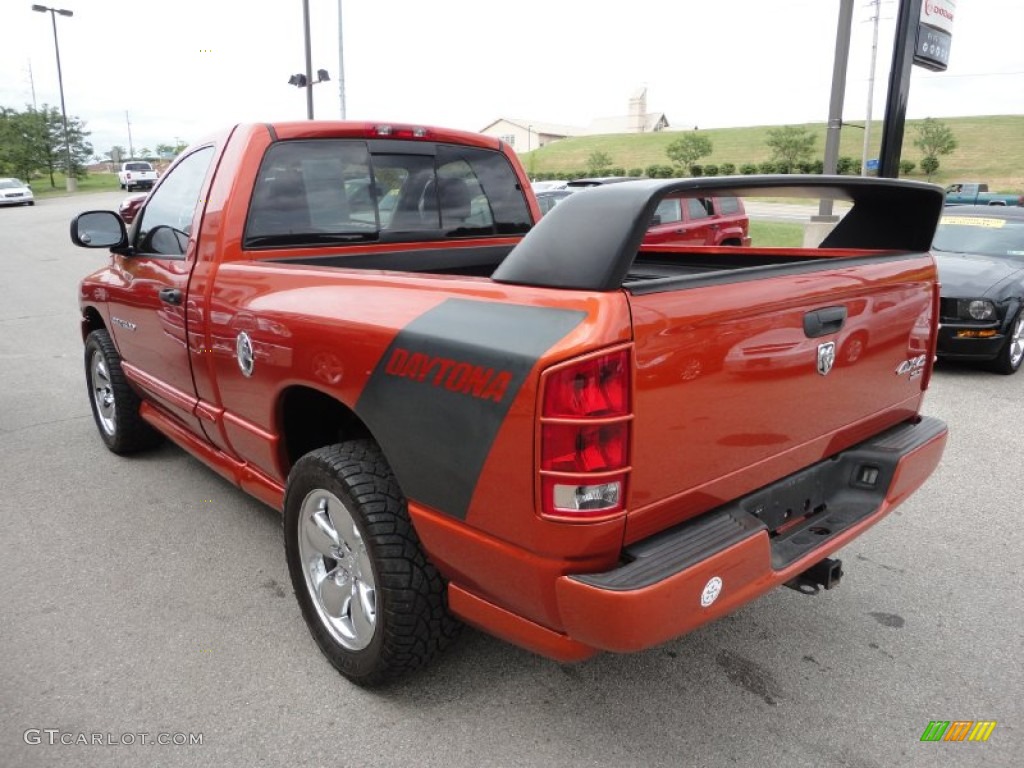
92	320
308	418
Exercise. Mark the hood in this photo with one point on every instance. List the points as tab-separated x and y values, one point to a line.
964	275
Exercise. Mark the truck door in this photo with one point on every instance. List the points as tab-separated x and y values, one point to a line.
149	305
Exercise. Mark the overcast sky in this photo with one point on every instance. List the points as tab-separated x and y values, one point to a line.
184	68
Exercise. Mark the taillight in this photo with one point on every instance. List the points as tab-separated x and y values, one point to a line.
596	387
584	437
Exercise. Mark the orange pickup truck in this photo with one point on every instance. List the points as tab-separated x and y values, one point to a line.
467	417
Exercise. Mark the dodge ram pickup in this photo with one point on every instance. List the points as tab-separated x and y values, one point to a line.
467	416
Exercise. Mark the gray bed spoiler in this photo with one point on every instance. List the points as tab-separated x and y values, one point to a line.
589	240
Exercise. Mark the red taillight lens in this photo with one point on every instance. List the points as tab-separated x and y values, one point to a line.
593	388
584	447
584	438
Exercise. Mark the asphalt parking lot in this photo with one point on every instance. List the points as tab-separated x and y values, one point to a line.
148	596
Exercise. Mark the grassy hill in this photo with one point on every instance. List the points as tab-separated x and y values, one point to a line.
991	149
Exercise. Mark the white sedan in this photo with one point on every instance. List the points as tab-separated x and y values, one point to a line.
15	192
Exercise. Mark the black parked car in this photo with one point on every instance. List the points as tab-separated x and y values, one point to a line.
549	198
980	253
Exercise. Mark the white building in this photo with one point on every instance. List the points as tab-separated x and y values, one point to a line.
524	135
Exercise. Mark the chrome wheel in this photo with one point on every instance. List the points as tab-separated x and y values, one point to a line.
337	570
1016	342
102	393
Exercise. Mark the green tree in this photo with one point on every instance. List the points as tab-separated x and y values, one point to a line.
934	138
51	143
598	161
930	165
116	154
20	142
688	149
791	144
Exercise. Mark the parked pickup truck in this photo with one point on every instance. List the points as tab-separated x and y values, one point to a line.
973	193
137	174
463	416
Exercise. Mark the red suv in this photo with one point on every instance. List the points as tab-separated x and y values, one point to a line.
699	221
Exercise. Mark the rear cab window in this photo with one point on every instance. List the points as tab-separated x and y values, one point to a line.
336	191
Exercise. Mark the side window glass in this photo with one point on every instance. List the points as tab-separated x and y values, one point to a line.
668	210
695	209
728	205
166	222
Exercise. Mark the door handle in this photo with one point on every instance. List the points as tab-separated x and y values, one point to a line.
822	322
170	296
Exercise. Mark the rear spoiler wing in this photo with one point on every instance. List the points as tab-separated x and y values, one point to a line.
589	240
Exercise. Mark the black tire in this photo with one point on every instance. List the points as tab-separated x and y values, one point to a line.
411	623
1009	359
115	406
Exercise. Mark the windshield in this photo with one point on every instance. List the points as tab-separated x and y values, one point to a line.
10	184
984	235
138	167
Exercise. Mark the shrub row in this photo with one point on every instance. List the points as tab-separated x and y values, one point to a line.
846	166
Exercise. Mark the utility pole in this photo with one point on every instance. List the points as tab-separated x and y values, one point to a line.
341	64
131	148
32	84
835	110
871	88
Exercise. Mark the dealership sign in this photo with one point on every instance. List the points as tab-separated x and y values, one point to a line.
934	34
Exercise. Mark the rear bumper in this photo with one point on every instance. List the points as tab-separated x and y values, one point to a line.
664	590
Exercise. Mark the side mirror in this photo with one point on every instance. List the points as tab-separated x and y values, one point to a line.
98	229
655	220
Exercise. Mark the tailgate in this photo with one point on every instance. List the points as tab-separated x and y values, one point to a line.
738	385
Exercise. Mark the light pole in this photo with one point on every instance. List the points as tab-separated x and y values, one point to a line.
70	181
341	64
871	90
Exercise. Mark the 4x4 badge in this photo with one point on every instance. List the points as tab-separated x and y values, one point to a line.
826	357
